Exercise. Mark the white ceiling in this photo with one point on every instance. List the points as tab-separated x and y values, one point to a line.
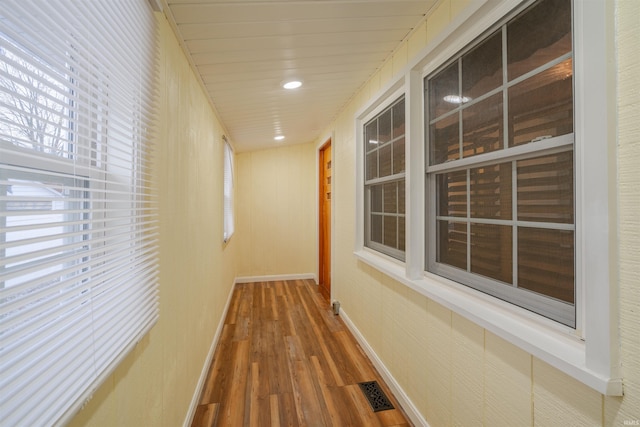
243	51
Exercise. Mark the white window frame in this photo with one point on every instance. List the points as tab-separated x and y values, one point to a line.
385	101
381	247
590	352
228	191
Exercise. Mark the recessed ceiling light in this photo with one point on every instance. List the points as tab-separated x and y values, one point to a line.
294	84
279	137
455	99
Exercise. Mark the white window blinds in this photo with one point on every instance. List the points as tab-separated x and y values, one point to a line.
78	251
229	225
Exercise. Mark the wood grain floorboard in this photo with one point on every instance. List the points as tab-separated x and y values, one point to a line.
285	360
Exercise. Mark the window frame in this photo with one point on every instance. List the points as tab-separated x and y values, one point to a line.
589	354
385	101
68	168
399	178
228	191
560	311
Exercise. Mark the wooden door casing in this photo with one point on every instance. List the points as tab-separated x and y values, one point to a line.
324	264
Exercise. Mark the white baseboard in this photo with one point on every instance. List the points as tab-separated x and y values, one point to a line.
251	279
205	368
406	403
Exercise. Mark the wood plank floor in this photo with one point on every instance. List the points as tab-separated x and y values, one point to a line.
284	359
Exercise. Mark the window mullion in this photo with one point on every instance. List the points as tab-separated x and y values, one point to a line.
460	124
468	220
378	150
514	217
505	94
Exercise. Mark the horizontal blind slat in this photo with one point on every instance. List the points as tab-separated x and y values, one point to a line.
33	313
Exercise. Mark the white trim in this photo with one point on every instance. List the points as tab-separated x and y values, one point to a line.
414	179
407	405
595	205
277	277
207	363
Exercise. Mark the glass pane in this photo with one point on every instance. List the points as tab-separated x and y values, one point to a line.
483	126
545	262
376	198
443	91
371	135
398	119
384	127
545	189
491	191
372	165
492	251
376	228
41	211
542	106
482	68
401	200
385	160
538	36
37	116
391	197
390	231
401	233
398	156
444	140
451	193
452	244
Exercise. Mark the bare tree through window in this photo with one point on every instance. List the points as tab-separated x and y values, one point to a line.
34	104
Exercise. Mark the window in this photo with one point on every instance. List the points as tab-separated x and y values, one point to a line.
78	251
510	177
501	163
229	223
384	183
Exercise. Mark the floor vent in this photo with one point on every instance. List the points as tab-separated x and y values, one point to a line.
376	397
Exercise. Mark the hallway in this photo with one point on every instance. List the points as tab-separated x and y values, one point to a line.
284	359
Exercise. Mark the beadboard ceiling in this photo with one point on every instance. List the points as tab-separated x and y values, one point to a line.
244	50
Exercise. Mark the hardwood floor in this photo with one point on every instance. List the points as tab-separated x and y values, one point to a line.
284	359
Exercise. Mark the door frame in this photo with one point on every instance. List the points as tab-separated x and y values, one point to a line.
320	224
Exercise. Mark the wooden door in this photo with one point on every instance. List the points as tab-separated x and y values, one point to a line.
324	205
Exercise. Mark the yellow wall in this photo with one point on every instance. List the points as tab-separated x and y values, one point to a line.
276	202
155	384
455	372
628	64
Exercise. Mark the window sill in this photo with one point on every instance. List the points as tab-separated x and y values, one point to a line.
533	334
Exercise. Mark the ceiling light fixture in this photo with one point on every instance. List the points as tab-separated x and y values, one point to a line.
455	99
294	84
279	137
